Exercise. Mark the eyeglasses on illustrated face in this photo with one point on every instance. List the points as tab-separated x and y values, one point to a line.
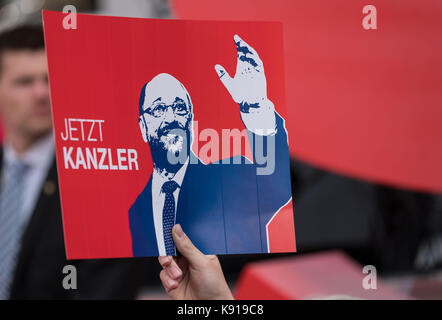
159	109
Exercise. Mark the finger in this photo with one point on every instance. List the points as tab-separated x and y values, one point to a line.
242	46
195	257
168	283
182	264
173	270
171	266
247	54
254	62
225	78
165	261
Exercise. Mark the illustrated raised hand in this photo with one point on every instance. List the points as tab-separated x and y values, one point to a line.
248	88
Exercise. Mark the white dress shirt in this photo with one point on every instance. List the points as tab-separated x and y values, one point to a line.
38	160
158	198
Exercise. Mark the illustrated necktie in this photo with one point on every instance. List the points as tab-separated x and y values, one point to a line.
11	200
169	215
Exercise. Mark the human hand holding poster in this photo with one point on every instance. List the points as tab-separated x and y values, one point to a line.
163	122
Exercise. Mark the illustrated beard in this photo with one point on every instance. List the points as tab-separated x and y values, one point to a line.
171	142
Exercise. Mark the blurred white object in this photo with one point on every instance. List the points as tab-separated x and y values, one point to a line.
31	6
9	15
134	8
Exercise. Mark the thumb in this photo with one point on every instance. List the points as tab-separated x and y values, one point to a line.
225	78
186	247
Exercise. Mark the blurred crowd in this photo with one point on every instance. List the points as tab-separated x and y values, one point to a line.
399	231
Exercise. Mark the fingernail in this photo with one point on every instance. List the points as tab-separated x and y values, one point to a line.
163	259
179	231
175	272
171	282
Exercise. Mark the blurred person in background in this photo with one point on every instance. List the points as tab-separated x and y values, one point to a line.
32	254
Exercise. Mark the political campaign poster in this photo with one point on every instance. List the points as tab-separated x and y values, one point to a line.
164	122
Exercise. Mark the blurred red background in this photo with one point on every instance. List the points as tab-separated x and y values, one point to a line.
364	103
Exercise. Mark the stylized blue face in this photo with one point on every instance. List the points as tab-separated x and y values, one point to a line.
165	114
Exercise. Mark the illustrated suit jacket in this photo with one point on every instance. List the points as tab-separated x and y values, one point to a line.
223	208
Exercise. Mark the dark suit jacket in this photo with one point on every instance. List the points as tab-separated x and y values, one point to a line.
38	274
223	208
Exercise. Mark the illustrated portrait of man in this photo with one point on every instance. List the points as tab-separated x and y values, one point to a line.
224	207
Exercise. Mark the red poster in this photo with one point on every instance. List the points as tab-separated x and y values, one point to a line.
159	122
